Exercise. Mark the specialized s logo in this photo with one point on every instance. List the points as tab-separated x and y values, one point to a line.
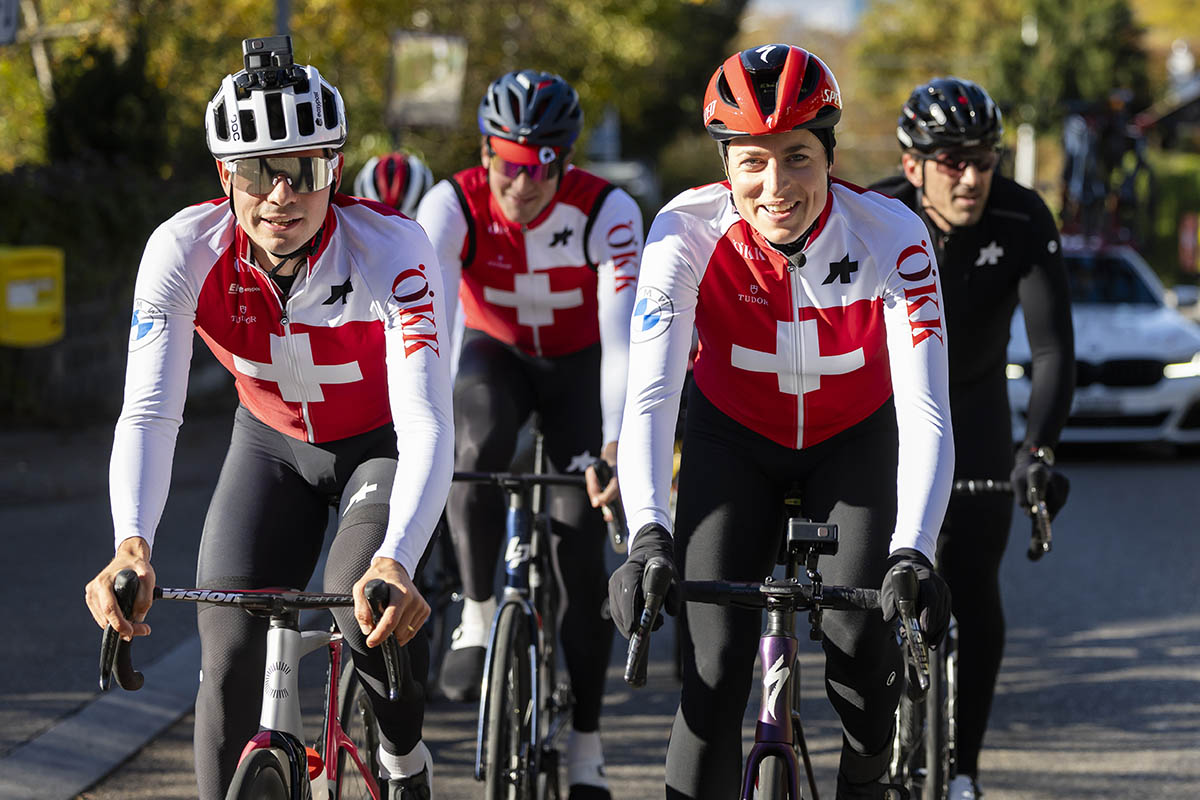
417	322
775	679
653	312
147	324
624	248
920	296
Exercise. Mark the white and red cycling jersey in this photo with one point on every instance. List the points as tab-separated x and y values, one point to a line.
553	286
357	343
796	351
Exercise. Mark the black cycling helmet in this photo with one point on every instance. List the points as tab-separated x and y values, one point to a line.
532	108
949	113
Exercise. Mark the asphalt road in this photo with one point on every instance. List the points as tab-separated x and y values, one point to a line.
1099	693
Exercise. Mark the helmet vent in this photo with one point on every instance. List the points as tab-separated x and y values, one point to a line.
812	76
724	91
764	91
331	115
249	128
276	126
221	119
304	119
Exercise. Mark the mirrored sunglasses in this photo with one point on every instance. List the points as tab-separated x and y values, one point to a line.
303	173
956	163
536	172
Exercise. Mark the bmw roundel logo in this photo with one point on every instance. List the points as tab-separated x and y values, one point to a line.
146	325
653	313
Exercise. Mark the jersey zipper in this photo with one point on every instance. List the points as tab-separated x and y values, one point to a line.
289	348
537	337
797	289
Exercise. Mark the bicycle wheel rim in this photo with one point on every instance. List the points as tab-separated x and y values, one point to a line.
260	776
507	761
357	719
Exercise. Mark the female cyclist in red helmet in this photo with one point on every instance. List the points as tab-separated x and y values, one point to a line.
821	368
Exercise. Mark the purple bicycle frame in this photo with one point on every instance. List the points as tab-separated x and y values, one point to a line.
773	735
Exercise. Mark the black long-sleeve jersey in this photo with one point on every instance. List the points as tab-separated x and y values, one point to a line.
1013	254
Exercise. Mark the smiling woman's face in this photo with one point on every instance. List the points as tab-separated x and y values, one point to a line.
780	182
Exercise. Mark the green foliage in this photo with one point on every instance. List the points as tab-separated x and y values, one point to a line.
1177	191
107	109
1084	50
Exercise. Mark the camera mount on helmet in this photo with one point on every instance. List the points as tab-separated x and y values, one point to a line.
269	65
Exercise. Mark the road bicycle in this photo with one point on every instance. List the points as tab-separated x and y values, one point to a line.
523	708
925	747
772	771
276	764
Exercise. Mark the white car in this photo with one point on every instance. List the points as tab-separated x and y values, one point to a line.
1137	358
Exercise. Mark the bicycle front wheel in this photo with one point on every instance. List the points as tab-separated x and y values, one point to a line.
260	776
939	725
357	719
508	736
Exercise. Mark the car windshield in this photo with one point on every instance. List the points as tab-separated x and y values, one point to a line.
1106	279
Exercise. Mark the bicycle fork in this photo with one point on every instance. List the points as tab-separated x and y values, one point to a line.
774	735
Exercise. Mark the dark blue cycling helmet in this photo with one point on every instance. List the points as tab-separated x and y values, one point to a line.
949	113
533	108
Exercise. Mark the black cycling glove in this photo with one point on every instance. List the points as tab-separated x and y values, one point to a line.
625	598
1030	470
933	595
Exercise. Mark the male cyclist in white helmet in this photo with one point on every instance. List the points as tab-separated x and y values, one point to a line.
324	309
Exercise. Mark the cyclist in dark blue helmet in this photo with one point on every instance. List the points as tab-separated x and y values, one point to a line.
544	259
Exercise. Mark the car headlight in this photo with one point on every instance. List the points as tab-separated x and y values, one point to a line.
1014	372
1183	369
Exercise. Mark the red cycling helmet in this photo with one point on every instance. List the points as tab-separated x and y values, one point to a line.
770	89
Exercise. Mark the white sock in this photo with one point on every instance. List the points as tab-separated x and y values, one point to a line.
585	759
472	631
406	765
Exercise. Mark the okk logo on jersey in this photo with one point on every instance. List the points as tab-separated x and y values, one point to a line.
652	315
147	324
411	292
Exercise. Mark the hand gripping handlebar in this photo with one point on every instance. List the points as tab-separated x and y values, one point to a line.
656	581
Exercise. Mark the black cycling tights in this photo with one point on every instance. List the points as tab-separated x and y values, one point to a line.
265	528
496	390
971	548
732	482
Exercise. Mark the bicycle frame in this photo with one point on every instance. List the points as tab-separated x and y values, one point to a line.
774	735
280	722
524	581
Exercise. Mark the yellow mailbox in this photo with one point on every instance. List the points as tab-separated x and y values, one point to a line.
31	296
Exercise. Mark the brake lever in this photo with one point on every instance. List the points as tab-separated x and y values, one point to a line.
618	530
1039	539
907	588
116	654
378	595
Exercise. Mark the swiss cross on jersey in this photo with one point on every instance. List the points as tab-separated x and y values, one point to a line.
799	351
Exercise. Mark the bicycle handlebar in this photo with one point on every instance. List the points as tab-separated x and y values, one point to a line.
618	530
1034	504
116	654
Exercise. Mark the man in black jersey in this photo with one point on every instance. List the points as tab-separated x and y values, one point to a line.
996	245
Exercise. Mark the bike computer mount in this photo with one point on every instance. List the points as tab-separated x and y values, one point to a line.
269	64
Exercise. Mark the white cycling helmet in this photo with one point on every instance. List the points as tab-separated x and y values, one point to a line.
273	106
399	180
